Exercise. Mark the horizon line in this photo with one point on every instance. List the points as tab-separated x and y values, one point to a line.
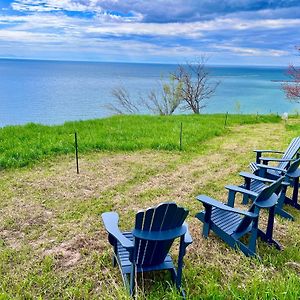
138	62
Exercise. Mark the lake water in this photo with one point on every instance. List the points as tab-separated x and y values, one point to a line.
52	92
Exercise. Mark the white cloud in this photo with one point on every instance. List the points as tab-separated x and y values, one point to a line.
150	29
251	51
104	32
104	25
23	36
53	5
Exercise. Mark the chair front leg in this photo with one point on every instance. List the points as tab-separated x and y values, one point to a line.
258	155
247	187
265	162
295	193
114	260
262	172
231	198
270	226
268	236
294	200
207	219
182	248
132	279
253	237
178	278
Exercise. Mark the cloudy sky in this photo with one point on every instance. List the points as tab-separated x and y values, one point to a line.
171	31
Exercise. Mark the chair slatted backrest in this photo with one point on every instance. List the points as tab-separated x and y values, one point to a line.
266	199
165	216
290	152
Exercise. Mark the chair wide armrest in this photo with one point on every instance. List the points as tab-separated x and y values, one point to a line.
254	177
110	220
261	166
294	174
271	201
187	237
275	159
241	190
215	203
268	151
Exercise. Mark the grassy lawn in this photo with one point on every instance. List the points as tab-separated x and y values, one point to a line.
23	145
52	241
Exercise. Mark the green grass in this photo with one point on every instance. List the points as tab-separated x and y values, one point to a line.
23	145
48	210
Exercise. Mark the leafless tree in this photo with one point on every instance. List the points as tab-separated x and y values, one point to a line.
124	104
196	84
162	101
190	84
292	89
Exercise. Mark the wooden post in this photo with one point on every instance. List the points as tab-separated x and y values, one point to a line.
226	116
256	116
76	152
180	137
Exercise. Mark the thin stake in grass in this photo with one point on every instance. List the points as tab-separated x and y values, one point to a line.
226	116
76	152
180	137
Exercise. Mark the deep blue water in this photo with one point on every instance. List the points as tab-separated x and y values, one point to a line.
52	92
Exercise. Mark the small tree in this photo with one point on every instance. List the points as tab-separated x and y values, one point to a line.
195	83
292	89
166	99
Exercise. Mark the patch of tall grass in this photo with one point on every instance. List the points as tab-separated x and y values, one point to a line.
23	145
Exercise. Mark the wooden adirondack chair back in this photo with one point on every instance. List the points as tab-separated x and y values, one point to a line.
164	217
290	152
265	198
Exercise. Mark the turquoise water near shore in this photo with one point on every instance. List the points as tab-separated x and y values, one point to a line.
52	92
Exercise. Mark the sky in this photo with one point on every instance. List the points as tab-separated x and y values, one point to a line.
239	32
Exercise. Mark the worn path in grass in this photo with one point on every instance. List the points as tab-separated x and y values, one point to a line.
52	243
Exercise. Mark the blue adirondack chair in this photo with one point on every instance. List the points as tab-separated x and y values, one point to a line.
146	247
289	155
257	183
232	224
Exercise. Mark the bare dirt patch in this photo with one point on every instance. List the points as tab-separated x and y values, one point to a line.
294	265
69	253
98	173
